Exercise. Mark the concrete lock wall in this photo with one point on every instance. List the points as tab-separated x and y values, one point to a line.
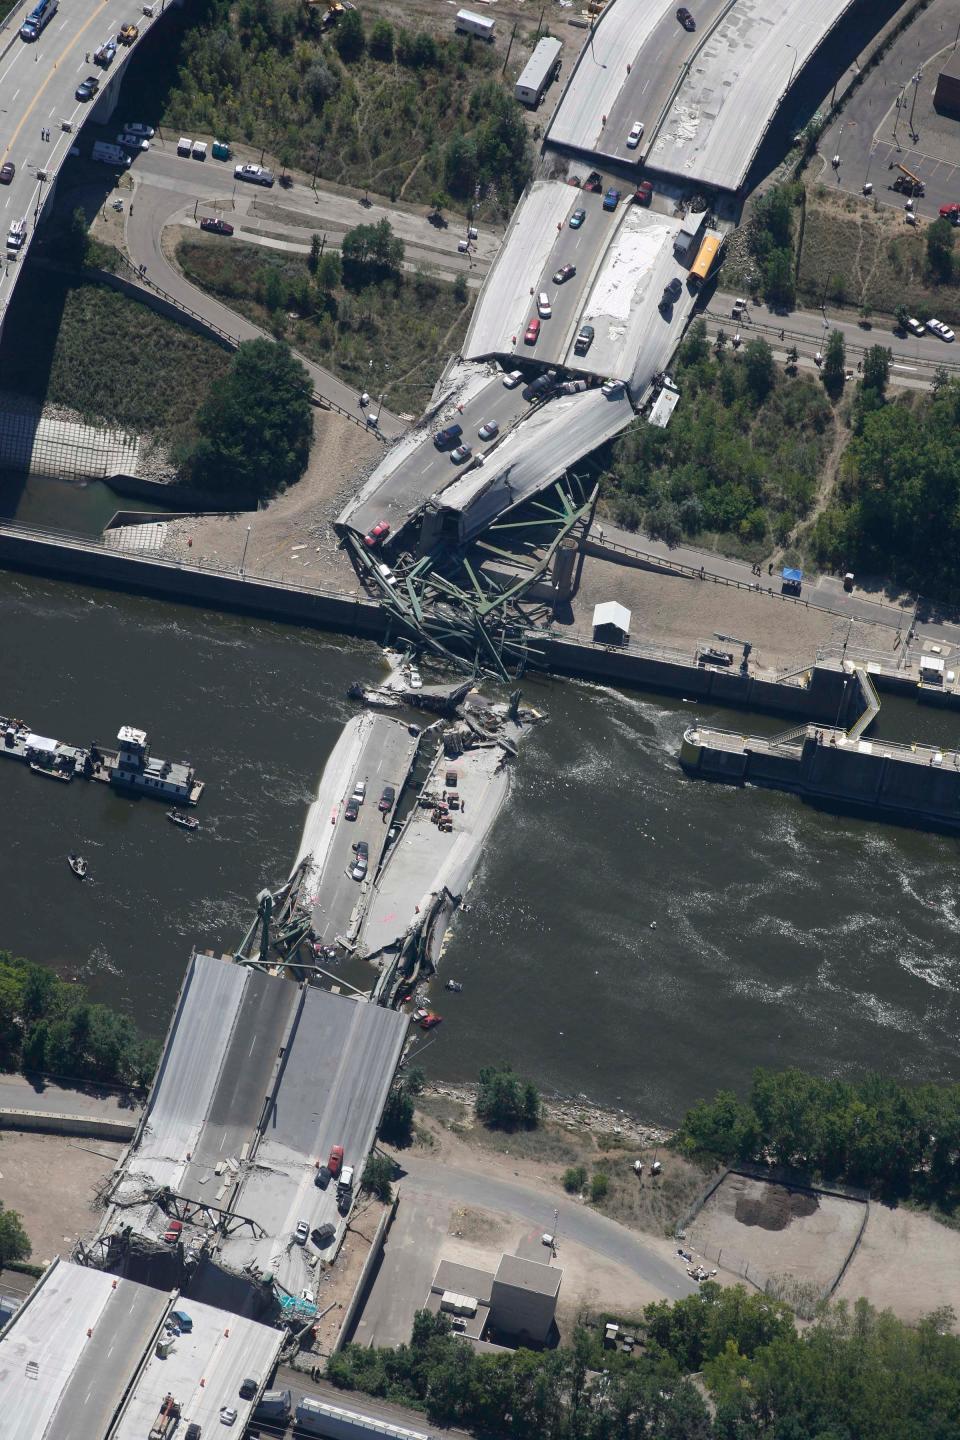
51	1123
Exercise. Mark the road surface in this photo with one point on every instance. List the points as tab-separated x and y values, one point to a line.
151	210
37	85
18	1093
624	1247
863	133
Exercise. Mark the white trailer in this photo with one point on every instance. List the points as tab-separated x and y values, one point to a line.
540	70
469	24
110	154
317	1417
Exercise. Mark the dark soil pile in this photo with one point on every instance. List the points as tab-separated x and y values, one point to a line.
776	1207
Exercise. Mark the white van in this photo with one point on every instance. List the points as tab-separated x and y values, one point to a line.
110	155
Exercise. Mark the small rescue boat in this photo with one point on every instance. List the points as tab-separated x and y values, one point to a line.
78	865
186	822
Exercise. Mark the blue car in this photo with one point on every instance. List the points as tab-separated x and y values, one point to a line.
577	219
611	200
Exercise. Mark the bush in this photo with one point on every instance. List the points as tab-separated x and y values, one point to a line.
599	1187
14	1242
574	1179
256	425
349	36
505	1101
378	1177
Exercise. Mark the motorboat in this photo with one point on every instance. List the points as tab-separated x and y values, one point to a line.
78	865
186	822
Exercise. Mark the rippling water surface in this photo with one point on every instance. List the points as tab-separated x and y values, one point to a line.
632	934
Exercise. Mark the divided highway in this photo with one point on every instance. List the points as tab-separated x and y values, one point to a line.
38	83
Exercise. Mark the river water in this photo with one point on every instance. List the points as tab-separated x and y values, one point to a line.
632	935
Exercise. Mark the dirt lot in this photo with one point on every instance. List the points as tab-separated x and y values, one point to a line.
449	1128
52	1182
334	1287
292	538
906	1262
679	613
775	1232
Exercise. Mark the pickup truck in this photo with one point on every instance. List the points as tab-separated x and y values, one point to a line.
254	174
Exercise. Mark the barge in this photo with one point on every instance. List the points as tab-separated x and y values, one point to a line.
130	767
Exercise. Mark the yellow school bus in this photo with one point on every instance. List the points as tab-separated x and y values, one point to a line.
701	267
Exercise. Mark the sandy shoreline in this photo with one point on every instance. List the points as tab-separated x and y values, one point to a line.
573	1114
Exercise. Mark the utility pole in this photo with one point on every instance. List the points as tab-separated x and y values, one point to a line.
916	86
509	48
896	121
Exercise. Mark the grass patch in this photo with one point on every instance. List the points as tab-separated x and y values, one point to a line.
76	343
544	1143
854	255
654	1205
391	336
741	458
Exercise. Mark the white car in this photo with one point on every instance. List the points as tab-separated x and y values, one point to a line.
611	387
416	679
635	136
512	380
130	141
255	174
135	127
544	309
228	1415
938	328
301	1232
360	791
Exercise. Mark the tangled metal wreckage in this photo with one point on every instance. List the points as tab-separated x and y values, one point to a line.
480	606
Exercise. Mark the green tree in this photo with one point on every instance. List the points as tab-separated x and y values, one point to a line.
381	40
329	271
274	292
876	368
834	364
901	316
316	250
460	291
759	368
504	1101
574	1179
940	236
779	285
378	1177
349	36
14	1241
256	425
599	1187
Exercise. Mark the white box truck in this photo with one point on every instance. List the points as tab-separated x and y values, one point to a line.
110	155
469	24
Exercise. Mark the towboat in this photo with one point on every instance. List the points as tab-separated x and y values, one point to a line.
78	865
186	822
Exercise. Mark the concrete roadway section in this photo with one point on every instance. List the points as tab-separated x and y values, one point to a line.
144	228
410	474
386	759
248	1062
37	83
18	1093
421	1174
584	248
97	1385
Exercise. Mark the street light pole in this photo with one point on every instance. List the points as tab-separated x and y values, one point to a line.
916	86
243	557
794	65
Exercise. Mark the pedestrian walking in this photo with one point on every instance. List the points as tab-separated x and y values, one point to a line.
87	57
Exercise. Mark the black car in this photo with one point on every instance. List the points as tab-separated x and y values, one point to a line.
447	437
387	798
322	1177
7	172
249	1388
584	340
323	1235
88	88
686	19
537	388
671	293
353	808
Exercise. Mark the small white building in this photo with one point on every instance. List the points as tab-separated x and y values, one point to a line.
611	623
467	23
542	68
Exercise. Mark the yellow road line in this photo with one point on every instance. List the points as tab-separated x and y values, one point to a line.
29	111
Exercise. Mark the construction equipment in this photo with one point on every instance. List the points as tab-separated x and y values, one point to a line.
166	1421
908	183
747	647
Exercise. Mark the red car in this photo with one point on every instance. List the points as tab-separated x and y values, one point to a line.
335	1163
643	193
219	227
429	1022
7	172
532	334
173	1232
378	534
947	212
